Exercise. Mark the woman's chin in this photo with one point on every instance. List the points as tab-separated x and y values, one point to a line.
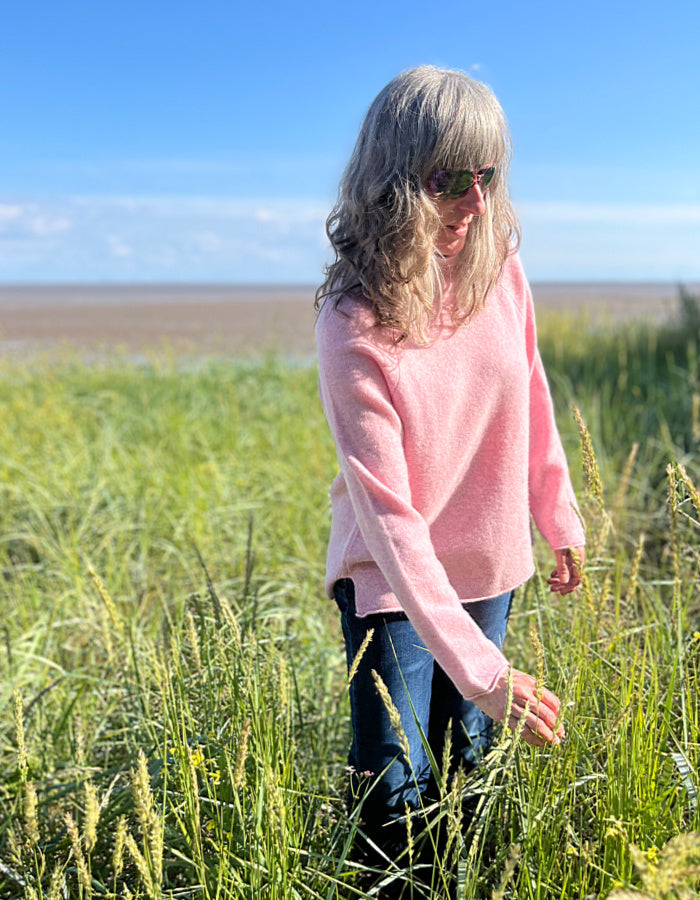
451	244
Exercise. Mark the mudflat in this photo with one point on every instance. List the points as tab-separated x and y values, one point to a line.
240	319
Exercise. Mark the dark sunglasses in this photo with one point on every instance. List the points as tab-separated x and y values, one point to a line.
448	184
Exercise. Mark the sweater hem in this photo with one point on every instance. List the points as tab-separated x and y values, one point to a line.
396	607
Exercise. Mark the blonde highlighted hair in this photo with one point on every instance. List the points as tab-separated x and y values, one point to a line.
384	224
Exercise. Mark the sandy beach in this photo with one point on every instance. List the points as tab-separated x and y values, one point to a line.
237	319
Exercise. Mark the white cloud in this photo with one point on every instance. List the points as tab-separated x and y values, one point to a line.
209	238
626	242
627	214
9	213
167	238
117	247
206	241
28	220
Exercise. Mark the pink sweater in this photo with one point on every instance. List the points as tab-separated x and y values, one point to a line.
445	452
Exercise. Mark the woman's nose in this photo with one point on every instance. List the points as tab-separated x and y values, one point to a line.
473	201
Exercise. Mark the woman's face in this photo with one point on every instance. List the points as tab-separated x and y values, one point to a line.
455	218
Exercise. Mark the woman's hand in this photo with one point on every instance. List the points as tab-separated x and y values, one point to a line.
567	575
543	707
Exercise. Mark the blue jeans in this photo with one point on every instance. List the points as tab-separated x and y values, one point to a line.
408	670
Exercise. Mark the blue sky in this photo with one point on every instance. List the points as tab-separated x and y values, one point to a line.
203	141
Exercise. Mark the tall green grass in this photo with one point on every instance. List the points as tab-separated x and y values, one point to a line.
174	692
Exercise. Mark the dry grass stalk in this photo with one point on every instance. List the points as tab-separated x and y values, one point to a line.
541	678
499	892
194	785
506	734
277	809
142	866
193	639
409	832
455	817
634	573
673	504
22	764
119	845
57	885
358	656
522	721
31	820
394	715
690	488
621	493
149	819
92	816
79	735
592	480
241	756
446	760
590	465
78	855
229	617
107	600
587	592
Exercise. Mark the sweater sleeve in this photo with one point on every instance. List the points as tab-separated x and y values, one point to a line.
368	436
552	500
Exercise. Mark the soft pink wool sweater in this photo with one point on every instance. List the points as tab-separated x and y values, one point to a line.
445	452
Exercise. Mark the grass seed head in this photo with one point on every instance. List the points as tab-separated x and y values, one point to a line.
636	563
31	820
673	505
499	892
358	656
409	832
92	817
241	756
690	488
446	759
57	885
107	600
119	845
590	465
78	855
394	715
193	639
623	484
541	678
149	819
22	764
139	861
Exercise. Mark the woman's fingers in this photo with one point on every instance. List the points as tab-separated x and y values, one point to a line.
538	705
536	730
567	575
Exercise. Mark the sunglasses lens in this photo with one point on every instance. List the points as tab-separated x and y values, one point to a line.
487	177
439	182
460	182
449	185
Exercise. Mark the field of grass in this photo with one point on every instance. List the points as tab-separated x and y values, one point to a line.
174	707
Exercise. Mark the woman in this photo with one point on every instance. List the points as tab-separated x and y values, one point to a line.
434	391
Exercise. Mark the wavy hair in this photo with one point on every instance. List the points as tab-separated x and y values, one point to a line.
384	224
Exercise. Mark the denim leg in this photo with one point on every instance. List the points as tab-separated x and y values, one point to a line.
399	656
471	728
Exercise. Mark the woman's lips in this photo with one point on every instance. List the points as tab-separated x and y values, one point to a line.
460	229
